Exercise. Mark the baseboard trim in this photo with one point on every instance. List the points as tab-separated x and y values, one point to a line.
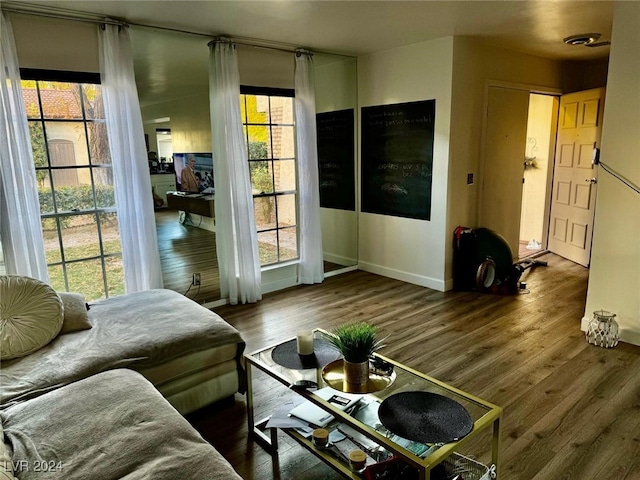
279	285
340	271
340	260
421	280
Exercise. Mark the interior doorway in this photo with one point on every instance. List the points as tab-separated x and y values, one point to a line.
537	172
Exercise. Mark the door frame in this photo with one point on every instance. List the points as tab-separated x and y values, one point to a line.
537	89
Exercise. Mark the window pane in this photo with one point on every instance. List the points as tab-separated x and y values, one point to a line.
265	212
282	110
286	210
30	98
98	143
288	243
283	142
60	100
257	109
268	247
110	233
73	170
80	237
51	241
86	278
93	106
73	198
258	142
45	194
115	275
56	277
37	144
261	179
103	179
285	175
67	143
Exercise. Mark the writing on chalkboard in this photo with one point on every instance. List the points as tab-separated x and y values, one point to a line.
336	159
397	159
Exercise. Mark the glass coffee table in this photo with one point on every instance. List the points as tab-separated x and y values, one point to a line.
388	379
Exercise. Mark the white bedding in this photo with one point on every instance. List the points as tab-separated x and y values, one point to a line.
110	426
139	331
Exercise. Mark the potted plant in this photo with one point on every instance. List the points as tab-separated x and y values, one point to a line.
356	342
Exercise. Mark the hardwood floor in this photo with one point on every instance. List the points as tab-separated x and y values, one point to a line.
571	410
185	250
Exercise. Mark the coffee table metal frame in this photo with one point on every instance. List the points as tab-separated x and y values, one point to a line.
490	418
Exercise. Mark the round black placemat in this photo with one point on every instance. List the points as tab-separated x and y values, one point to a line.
286	354
425	417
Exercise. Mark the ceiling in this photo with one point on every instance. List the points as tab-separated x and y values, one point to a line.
361	27
347	27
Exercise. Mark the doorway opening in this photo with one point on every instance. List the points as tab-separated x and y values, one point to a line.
536	178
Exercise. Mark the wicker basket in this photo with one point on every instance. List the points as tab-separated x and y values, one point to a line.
453	465
468	468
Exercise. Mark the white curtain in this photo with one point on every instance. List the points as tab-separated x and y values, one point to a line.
311	268
20	227
236	237
132	184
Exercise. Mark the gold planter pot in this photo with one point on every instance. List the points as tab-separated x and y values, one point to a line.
356	373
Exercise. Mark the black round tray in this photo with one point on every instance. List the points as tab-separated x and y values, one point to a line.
425	417
286	354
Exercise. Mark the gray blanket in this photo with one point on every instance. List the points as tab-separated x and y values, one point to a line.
114	425
137	330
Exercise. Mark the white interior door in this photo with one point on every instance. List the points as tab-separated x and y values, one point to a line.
574	177
503	167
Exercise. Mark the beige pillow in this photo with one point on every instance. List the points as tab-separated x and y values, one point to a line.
30	315
6	466
75	312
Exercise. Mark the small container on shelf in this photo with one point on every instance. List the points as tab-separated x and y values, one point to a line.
320	437
357	460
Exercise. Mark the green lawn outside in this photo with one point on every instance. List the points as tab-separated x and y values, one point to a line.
86	276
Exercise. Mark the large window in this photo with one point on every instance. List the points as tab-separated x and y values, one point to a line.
75	185
269	129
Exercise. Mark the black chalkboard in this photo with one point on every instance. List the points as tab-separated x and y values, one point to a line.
336	159
397	159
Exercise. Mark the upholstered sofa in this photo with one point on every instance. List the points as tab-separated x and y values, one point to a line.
74	401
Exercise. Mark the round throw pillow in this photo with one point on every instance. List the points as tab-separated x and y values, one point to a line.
31	315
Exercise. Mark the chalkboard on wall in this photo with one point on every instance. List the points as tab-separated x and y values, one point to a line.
336	159
397	159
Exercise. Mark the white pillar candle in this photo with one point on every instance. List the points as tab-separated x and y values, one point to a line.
304	342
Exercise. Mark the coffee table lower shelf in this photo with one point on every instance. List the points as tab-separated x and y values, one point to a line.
473	469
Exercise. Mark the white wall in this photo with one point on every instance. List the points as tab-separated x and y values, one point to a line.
46	43
402	248
614	277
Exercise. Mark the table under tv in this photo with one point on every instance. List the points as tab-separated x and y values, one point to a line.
485	415
196	203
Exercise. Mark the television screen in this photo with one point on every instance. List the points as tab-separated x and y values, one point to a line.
194	172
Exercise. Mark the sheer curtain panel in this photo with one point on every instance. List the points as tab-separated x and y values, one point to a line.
20	227
132	184
236	237
311	268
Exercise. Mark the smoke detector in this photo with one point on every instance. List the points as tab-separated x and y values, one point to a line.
586	39
582	39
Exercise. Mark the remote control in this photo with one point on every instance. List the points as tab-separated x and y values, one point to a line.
304	384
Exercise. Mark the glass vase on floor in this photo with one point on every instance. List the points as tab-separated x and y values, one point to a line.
602	329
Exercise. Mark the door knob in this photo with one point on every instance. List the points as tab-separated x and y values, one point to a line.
592	180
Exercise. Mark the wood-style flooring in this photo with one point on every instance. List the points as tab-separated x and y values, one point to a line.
184	250
571	409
